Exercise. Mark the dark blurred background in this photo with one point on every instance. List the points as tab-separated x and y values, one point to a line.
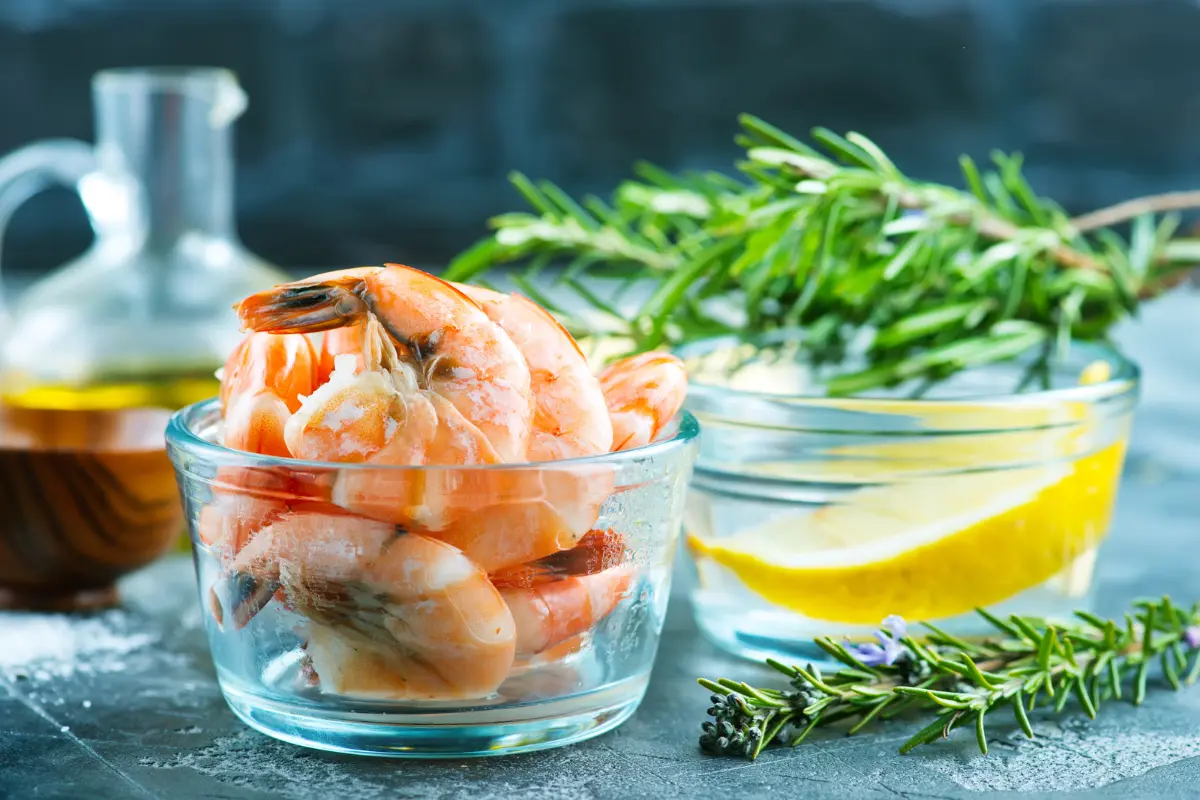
384	130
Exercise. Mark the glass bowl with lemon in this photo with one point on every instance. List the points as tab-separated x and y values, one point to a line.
812	515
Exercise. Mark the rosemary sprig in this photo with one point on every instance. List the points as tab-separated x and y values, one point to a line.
1086	661
838	242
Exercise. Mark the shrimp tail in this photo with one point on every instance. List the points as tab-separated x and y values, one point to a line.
306	307
243	594
595	552
257	574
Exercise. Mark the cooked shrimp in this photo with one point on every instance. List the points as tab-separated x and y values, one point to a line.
535	513
551	613
340	341
643	393
459	353
378	415
498	518
244	499
397	615
596	552
570	418
261	385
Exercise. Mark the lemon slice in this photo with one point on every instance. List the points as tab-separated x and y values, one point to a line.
928	548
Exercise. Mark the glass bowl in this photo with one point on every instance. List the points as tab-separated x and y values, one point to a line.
819	516
457	612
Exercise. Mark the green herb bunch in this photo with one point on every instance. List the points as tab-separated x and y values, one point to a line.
922	278
961	682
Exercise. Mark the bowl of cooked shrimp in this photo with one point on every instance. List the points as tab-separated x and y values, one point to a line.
423	526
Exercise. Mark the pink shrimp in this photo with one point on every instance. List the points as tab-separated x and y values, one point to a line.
394	615
245	499
379	416
340	341
549	614
261	385
596	552
458	352
570	418
643	393
498	518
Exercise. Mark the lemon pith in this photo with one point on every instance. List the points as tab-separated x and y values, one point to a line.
989	537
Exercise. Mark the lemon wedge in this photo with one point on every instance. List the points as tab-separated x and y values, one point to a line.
928	548
962	520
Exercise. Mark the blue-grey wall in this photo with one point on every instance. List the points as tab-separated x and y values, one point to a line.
383	129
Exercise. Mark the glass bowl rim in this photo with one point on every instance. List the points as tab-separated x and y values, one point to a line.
1126	377
181	436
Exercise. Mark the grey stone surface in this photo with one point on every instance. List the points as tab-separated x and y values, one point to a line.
130	708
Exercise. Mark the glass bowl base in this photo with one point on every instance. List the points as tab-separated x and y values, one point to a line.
466	734
752	630
755	643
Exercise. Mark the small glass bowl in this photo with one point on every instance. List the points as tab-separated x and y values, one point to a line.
818	516
370	633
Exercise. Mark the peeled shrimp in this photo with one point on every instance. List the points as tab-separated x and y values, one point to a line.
548	614
395	615
570	418
261	385
458	352
380	418
340	341
643	394
245	499
531	513
377	415
391	415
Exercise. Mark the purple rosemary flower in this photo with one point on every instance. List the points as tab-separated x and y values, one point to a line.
1192	636
889	648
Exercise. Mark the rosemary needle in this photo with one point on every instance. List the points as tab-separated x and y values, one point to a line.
835	240
959	682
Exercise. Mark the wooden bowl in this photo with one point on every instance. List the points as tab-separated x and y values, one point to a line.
85	498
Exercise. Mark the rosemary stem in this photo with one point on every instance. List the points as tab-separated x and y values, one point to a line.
960	681
1127	210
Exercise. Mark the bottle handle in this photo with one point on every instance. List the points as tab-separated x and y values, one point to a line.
35	167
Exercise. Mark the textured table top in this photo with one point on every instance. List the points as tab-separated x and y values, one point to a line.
125	704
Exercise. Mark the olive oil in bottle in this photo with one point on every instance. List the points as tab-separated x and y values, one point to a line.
160	389
133	329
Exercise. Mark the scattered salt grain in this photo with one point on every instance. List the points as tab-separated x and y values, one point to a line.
87	703
64	729
46	646
1065	757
